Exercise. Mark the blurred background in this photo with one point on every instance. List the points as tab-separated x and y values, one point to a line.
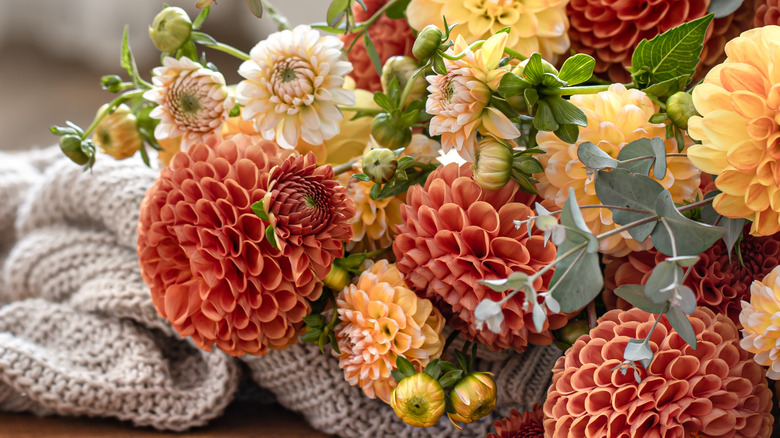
53	54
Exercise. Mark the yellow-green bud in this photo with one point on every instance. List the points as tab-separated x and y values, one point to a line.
546	66
402	68
117	134
388	133
679	108
71	147
380	164
472	398
111	83
427	42
493	164
170	29
337	278
418	400
566	336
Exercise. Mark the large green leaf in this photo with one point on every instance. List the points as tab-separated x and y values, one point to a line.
690	237
664	89
512	85
621	188
577	69
594	157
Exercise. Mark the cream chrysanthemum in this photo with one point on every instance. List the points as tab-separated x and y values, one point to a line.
294	82
459	100
616	117
535	25
382	319
759	319
739	101
192	100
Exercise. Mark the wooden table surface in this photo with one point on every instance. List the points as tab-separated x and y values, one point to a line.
241	419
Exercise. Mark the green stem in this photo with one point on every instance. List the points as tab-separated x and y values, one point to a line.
345	167
111	106
408	87
362	109
515	54
471	47
579	89
230	50
280	19
366	24
379	252
334	319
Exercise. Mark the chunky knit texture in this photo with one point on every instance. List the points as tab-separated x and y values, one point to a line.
79	334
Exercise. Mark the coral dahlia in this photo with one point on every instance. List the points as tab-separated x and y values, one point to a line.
382	319
529	424
456	233
714	390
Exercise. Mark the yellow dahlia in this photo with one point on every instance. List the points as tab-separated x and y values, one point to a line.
759	319
740	139
293	85
192	100
117	134
459	100
381	319
536	25
616	117
374	223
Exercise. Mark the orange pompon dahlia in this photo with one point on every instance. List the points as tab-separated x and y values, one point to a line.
740	138
206	256
616	117
767	12
535	26
760	334
459	100
714	390
456	233
391	37
381	319
529	424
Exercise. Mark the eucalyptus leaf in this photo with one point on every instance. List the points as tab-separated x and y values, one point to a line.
722	8
682	325
684	261
708	214
642	147
577	69
635	295
659	150
594	157
544	119
665	274
686	299
515	280
673	53
638	350
539	316
621	188
691	237
734	229
566	112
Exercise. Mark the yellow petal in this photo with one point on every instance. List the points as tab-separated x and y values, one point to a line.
733	182
745	155
493	50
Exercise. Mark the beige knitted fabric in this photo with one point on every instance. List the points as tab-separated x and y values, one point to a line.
79	334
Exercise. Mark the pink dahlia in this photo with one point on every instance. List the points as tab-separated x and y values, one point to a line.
456	233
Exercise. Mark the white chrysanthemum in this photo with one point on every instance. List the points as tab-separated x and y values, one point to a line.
192	100
293	85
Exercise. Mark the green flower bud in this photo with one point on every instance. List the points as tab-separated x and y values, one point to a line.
493	164
472	398
566	336
418	400
337	278
111	83
402	68
71	147
380	164
389	133
546	67
170	29
427	42
680	108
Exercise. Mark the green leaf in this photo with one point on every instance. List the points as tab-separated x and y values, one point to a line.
126	60
682	325
315	320
334	343
512	85
255	7
336	12
528	165
577	69
531	97
259	210
666	88
201	18
722	8
312	335
691	237
503	106
621	188
658	118
361	177
551	81
462	362
404	366
659	165
544	120
450	378
372	53
733	233
397	375
404	163
203	38
270	235
515	280
534	71
593	157
433	368
383	101
635	295
638	350
397	10
673	53
568	133
566	112
660	285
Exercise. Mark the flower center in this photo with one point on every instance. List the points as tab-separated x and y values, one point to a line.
417	406
292	81
189	103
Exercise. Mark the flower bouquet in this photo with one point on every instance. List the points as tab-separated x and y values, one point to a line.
536	218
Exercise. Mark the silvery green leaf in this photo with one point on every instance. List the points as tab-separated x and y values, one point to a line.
540	210
684	261
558	235
514	281
664	275
494	323
575	213
690	237
552	303
734	229
486	309
638	350
722	8
546	222
686	299
638	148
593	157
635	295
659	149
682	325
623	188
540	316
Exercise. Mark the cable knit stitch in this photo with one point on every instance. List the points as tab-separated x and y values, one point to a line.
79	334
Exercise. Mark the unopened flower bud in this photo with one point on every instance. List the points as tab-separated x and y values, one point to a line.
71	147
117	134
566	336
418	400
546	67
472	398
679	108
427	42
390	134
111	83
380	164
337	278
402	68
170	29
493	164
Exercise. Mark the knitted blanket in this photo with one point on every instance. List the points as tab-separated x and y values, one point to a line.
79	334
